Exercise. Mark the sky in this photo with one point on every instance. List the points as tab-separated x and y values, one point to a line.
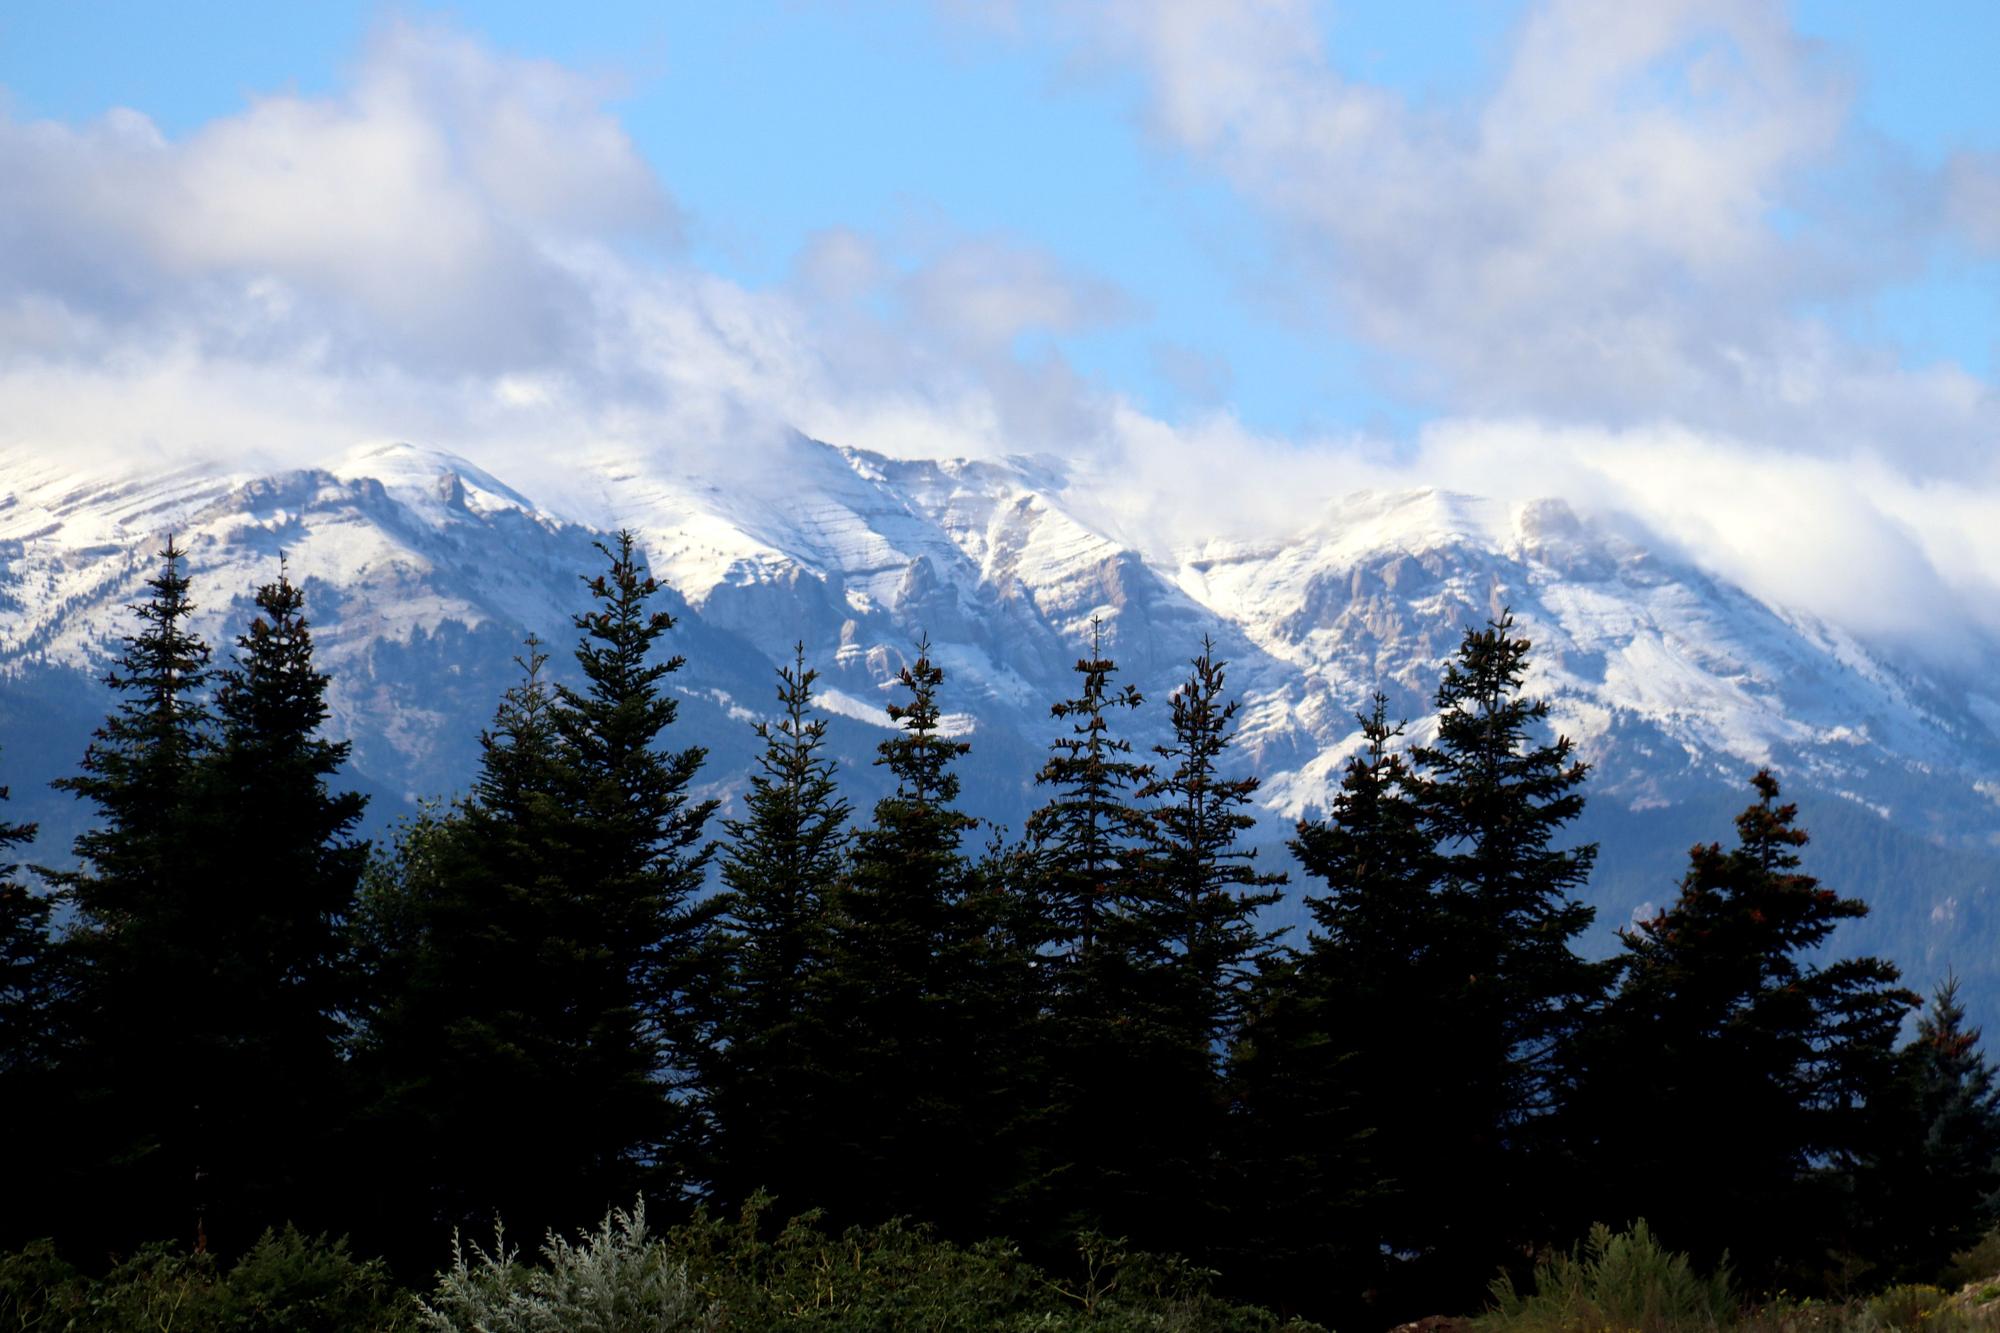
1728	269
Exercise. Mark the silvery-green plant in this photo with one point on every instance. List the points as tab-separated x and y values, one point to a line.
616	1279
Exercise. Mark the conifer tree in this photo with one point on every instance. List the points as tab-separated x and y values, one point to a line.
634	880
1206	890
29	1040
1337	1071
476	954
1739	1070
1108	1035
1926	1188
1493	799
149	1017
285	870
904	1079
1089	836
779	867
1198	945
27	970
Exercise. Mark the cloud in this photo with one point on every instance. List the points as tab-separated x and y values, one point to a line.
1648	216
465	248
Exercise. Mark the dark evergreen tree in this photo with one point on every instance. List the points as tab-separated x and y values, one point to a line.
780	865
476	953
1107	1030
1201	909
1338	1071
29	1040
27	969
1730	1080
1089	837
1494	798
1926	1187
284	868
634	877
149	1021
905	1086
1199	945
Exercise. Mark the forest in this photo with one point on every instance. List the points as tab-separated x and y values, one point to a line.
795	1062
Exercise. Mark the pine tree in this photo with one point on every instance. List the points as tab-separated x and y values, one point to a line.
1739	1070
27	971
779	867
635	880
30	992
1206	890
1108	1037
285	870
1493	800
904	1084
148	1012
1089	836
1195	946
1338	1071
475	954
1926	1187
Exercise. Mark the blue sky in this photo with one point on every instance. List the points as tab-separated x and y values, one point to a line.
768	122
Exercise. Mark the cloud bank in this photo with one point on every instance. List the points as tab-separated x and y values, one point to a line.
1613	271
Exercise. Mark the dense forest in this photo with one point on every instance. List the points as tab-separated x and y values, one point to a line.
969	1055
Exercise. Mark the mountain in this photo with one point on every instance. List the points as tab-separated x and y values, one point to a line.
424	573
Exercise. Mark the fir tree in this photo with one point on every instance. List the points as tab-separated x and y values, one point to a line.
1108	1033
149	1016
477	955
1337	1070
779	866
634	879
1089	836
285	870
1206	890
30	992
27	970
1739	1070
1927	1187
904	1079
1197	947
1493	799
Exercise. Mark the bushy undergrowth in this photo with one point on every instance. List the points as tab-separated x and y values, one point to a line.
1628	1281
1622	1280
728	1274
711	1273
286	1283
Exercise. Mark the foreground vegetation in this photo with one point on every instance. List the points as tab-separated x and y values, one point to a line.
706	1274
750	1273
532	1005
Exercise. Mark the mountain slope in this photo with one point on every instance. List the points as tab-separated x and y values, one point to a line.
424	573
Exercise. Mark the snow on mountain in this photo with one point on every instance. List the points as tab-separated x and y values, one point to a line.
424	572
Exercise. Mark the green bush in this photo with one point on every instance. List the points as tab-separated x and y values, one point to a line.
286	1283
728	1274
1623	1280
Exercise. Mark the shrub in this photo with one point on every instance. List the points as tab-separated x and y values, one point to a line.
617	1279
286	1283
1626	1280
725	1274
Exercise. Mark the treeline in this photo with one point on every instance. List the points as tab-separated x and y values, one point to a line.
531	1006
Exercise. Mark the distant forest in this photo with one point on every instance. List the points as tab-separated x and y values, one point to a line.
230	1014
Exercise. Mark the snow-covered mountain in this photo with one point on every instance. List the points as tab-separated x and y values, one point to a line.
424	573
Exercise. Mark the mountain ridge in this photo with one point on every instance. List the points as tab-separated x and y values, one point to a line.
424	571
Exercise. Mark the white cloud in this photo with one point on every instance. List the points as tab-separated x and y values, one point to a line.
1646	217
